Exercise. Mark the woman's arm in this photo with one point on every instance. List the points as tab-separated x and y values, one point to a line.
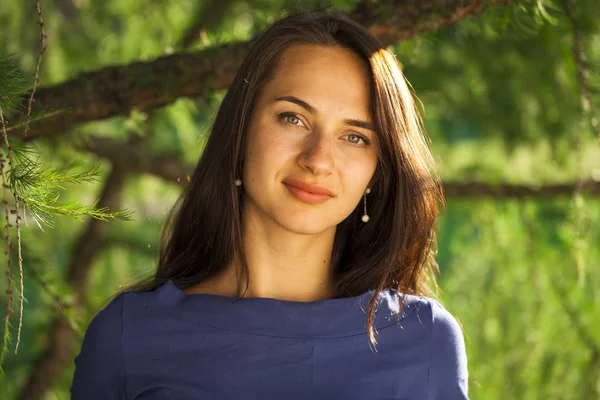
448	374
99	367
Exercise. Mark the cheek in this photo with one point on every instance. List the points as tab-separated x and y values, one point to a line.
267	151
356	175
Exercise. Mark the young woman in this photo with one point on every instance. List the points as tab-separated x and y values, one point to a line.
295	265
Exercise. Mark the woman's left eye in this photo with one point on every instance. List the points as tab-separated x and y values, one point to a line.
355	139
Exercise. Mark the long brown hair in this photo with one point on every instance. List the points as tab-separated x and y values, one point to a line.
394	250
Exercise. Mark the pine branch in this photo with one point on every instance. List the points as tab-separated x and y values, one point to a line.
36	76
41	208
31	184
90	244
6	336
392	22
12	83
11	164
18	226
36	188
10	97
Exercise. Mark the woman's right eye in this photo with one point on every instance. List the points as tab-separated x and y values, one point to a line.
290	118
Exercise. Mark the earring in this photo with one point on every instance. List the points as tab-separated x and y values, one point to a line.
365	217
238	182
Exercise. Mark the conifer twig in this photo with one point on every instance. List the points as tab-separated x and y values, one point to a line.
86	248
9	277
37	68
77	212
36	190
12	169
18	225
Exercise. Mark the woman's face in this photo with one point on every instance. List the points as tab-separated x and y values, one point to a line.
311	124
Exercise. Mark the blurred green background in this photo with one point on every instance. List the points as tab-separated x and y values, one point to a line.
500	100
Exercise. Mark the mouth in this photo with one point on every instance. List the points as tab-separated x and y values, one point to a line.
307	187
307	194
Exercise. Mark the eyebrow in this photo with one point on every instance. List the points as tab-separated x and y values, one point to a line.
353	122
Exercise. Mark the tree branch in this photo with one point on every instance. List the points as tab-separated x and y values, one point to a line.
144	86
135	159
59	349
478	190
394	21
141	85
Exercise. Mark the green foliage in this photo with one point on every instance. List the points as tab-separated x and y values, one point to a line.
6	341
37	187
12	84
500	97
512	279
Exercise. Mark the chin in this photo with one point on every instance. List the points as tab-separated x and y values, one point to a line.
305	224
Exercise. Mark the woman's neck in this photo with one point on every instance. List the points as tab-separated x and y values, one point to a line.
282	265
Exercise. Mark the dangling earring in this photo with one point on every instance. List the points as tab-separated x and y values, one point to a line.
365	217
238	182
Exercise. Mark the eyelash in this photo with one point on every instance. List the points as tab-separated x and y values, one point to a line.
284	115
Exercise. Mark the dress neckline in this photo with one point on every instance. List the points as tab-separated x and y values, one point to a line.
284	318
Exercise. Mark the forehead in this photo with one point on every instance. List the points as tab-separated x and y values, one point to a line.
329	78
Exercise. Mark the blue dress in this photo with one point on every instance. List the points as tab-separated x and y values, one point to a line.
167	344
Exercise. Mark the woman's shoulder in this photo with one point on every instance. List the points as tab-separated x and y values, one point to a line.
439	332
448	358
99	364
433	315
116	311
427	314
427	310
110	316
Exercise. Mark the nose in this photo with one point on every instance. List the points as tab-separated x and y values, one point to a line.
316	155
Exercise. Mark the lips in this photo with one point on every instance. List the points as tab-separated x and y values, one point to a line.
306	192
307	187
